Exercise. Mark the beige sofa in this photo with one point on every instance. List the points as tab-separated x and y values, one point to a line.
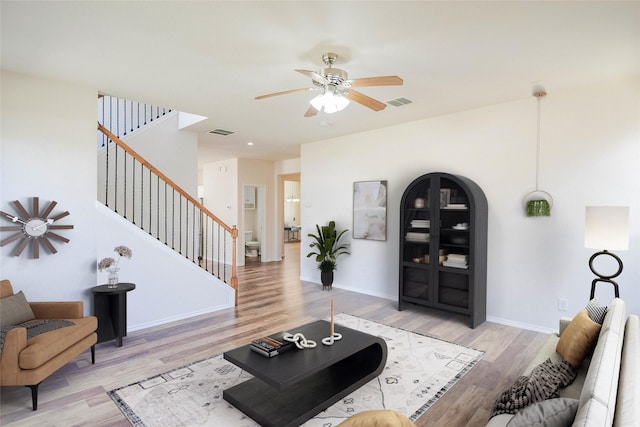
28	361
607	386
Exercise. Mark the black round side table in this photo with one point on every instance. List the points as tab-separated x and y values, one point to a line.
110	307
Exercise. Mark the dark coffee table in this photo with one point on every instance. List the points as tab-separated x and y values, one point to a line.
292	387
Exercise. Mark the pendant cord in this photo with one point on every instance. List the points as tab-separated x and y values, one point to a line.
539	95
538	144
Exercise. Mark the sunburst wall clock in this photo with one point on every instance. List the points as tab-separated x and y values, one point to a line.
35	228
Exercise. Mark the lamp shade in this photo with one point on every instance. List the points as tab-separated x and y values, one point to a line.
330	101
607	227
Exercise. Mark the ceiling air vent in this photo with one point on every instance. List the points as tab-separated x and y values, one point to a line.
399	102
220	132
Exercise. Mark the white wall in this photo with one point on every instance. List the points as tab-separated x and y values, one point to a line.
48	134
221	197
171	150
223	184
590	155
168	286
285	167
48	150
220	181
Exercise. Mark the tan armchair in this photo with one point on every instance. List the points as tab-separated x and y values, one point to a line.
28	361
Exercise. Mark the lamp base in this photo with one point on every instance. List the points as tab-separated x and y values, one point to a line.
603	277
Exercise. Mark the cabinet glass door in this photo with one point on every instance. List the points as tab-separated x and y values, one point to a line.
454	245
416	241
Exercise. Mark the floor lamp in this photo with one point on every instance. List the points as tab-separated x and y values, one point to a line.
606	228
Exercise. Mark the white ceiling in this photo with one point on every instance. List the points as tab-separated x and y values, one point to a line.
213	57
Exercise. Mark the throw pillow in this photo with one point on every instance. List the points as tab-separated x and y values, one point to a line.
548	413
15	309
579	339
596	311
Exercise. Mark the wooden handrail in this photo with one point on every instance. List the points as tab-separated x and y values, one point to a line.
232	230
165	178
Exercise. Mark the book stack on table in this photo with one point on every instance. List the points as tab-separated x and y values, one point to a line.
272	345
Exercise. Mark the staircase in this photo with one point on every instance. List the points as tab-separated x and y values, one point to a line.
139	192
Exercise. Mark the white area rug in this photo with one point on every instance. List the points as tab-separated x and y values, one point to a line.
419	370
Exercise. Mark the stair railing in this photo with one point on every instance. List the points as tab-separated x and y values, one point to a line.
123	116
140	193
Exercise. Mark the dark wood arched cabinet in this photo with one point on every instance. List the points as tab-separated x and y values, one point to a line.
443	245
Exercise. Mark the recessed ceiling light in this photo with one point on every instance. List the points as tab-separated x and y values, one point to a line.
249	143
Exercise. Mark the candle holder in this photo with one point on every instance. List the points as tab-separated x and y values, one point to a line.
333	335
333	338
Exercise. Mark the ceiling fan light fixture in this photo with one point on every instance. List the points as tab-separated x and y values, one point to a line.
341	102
329	101
317	102
337	89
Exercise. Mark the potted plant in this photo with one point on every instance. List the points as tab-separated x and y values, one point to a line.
327	247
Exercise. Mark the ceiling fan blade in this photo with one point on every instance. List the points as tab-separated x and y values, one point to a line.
311	112
269	95
314	76
377	81
363	99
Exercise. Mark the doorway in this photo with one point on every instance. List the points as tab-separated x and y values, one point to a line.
253	222
289	213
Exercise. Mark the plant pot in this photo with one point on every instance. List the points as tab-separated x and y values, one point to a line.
326	277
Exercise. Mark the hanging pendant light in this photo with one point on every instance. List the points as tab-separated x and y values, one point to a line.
538	202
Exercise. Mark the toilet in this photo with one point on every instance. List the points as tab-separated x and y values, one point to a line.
251	246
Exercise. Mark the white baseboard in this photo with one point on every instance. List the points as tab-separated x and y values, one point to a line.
182	316
535	328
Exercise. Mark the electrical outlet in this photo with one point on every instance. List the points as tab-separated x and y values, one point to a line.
563	304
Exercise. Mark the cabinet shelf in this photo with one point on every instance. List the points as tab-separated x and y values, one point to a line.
458	290
412	264
455	270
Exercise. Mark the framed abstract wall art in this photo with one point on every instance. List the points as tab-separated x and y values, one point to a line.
370	210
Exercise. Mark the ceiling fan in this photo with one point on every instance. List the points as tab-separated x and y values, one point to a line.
336	88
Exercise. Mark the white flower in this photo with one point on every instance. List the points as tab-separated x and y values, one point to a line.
109	262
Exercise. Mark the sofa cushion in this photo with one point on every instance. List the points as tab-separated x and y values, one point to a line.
548	413
616	317
377	418
44	347
15	309
578	340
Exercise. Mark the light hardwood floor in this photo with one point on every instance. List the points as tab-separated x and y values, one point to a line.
271	299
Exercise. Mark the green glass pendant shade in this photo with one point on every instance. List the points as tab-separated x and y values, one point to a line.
538	208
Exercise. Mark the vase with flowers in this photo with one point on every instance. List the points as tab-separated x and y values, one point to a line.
111	265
